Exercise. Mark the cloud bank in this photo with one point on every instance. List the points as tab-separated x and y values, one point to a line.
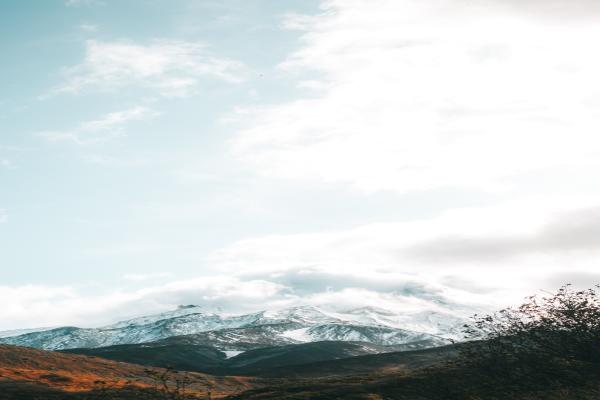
415	95
464	261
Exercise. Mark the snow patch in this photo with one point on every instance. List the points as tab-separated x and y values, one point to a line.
300	335
231	353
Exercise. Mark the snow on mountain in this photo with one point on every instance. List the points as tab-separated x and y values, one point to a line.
380	335
303	315
19	332
181	311
239	332
238	339
438	323
232	353
298	335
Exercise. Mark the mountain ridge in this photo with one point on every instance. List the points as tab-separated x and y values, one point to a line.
302	324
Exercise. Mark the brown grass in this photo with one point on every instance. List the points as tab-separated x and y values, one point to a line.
74	373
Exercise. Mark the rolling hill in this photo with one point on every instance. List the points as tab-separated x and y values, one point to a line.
35	374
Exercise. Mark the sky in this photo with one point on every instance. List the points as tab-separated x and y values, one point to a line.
252	154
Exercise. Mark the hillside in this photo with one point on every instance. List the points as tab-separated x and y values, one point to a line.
267	361
28	372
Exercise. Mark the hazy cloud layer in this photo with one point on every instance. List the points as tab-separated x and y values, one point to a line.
52	306
513	249
576	231
562	9
402	266
55	306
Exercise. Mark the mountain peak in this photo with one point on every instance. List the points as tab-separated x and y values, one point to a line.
371	310
185	307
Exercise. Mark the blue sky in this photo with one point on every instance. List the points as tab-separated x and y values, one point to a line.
251	154
70	200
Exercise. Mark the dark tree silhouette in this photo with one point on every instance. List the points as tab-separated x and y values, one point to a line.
549	341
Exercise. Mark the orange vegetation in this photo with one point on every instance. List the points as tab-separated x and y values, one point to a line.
75	373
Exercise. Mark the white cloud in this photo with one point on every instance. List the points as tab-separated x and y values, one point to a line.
562	9
37	306
571	233
375	265
172	68
117	118
495	255
31	305
410	96
88	27
108	126
418	95
3	216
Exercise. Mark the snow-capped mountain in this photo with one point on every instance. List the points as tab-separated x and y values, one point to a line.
18	332
432	322
265	328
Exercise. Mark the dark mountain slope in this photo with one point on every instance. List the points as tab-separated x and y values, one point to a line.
296	360
349	366
188	357
265	362
184	357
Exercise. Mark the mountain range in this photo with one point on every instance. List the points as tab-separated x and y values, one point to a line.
270	355
232	334
232	352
